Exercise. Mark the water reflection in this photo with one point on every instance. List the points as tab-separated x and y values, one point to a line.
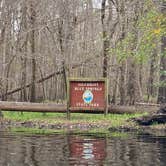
82	150
87	150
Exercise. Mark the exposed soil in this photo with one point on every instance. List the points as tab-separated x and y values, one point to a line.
128	127
5	123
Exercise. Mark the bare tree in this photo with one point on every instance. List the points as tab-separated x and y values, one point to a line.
162	88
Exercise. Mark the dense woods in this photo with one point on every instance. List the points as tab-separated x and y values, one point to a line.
43	42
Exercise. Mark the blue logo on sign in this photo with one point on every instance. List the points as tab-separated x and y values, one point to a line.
87	96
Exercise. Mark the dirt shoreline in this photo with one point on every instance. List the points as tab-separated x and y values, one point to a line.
6	123
159	130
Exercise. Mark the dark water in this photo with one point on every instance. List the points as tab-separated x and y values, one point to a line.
84	149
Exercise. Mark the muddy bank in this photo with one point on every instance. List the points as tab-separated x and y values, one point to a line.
5	123
158	130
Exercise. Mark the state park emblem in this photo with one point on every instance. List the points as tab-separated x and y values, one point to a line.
87	96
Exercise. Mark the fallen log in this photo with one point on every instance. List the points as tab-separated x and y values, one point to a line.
31	107
153	119
158	118
28	85
62	108
146	104
61	71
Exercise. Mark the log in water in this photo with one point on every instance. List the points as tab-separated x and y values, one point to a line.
157	118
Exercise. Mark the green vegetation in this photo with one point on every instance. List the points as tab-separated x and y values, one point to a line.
26	130
122	135
91	124
151	27
113	120
92	132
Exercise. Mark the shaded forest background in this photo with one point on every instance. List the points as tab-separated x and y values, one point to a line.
43	42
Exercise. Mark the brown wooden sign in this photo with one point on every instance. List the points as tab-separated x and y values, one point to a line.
87	94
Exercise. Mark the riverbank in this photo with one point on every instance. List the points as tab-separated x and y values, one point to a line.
59	120
82	122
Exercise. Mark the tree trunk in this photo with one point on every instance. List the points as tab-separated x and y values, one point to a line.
32	41
115	87
122	84
131	91
24	58
162	88
105	39
23	81
150	88
53	107
3	60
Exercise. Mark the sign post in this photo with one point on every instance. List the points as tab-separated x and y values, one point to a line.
87	95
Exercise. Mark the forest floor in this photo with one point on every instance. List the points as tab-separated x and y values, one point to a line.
83	122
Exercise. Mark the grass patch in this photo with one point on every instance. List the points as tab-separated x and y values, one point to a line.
92	132
26	130
122	135
114	120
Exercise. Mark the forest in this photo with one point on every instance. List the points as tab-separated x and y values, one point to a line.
44	42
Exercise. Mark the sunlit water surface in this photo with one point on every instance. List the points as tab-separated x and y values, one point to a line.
117	149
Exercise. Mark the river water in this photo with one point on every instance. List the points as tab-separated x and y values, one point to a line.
115	149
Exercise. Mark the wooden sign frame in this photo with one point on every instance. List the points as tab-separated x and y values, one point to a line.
87	80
